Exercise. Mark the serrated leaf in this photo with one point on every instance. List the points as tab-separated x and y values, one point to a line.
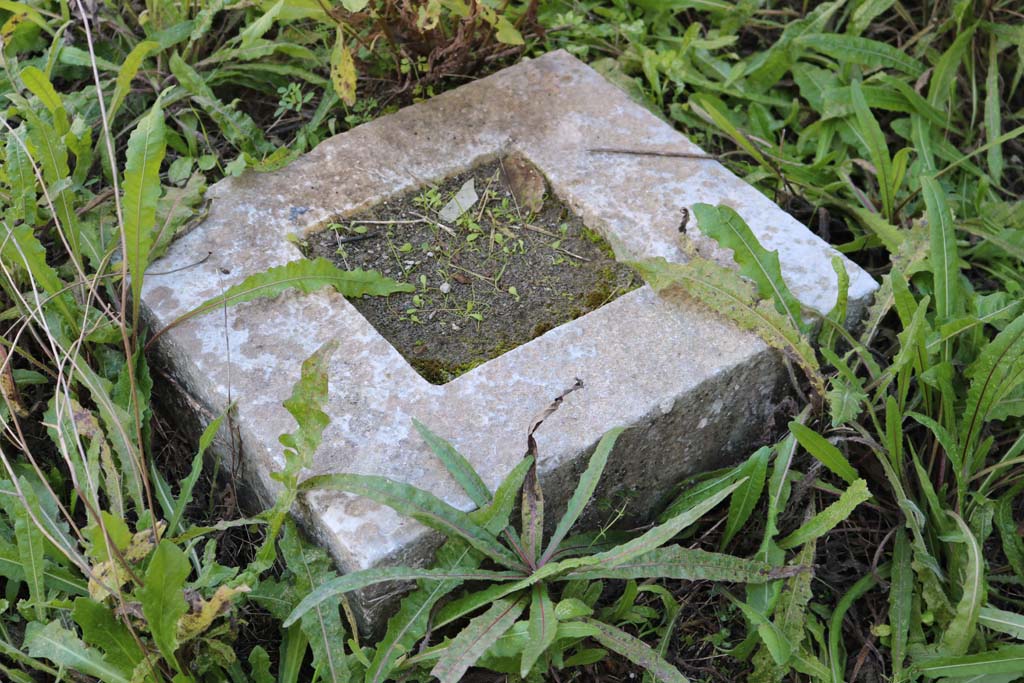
827	519
474	640
304	275
146	148
690	564
864	51
661	534
726	227
1003	621
102	630
872	139
162	598
635	651
584	491
31	545
368	577
62	647
996	372
725	292
944	261
20	178
901	593
256	29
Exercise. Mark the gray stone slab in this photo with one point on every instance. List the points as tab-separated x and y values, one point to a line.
696	390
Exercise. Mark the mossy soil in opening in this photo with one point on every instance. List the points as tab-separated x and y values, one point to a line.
493	278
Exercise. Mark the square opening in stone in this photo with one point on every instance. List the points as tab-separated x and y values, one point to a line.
495	257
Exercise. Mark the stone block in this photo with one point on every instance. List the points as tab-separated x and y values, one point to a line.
696	391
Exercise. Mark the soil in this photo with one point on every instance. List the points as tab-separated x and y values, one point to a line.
490	280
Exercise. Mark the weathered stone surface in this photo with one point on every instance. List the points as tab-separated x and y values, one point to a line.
695	389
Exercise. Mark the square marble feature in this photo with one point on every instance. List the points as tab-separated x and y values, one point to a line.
696	390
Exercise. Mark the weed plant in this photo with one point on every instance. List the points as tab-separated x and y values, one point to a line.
892	128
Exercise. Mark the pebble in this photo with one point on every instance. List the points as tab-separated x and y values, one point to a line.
445	288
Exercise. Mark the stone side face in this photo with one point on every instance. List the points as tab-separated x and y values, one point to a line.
696	390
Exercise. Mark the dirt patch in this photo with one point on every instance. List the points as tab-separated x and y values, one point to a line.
487	281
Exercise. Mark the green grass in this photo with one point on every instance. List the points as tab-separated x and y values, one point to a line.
892	129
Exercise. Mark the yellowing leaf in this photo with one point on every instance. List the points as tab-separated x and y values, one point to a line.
202	615
343	71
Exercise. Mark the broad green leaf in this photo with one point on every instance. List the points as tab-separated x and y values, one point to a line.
163	599
690	564
998	370
542	628
726	227
727	293
943	79
101	629
957	636
507	33
774	640
322	624
474	640
901	593
857	50
865	13
827	519
635	651
745	498
1009	659
304	275
36	81
256	29
944	260
1013	545
873	140
20	178
457	466
126	74
827	454
62	647
1000	620
584	491
54	578
146	148
31	545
